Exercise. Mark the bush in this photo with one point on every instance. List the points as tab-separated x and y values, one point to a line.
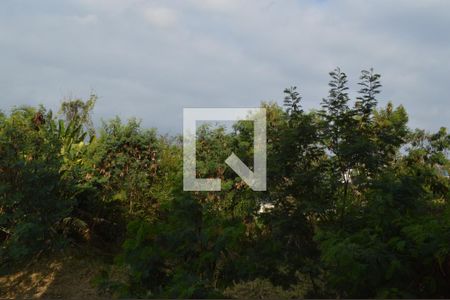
34	196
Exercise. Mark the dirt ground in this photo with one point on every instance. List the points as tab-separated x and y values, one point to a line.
59	276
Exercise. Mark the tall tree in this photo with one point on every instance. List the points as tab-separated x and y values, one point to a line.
79	112
370	87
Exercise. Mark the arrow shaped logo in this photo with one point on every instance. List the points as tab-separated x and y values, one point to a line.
256	179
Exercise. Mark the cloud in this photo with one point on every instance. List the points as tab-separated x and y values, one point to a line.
160	16
85	20
216	5
152	58
110	7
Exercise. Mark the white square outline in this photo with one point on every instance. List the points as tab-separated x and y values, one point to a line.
256	179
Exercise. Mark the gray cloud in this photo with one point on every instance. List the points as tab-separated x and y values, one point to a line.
150	59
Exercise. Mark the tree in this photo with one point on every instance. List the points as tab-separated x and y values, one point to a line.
35	193
79	112
370	87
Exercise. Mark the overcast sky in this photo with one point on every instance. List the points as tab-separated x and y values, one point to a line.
150	59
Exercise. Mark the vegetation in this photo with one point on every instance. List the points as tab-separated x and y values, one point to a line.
359	202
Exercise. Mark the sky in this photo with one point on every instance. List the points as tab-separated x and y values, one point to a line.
150	59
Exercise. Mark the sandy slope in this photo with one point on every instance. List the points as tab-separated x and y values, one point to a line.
63	275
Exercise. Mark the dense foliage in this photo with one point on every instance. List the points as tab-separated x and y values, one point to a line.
357	203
